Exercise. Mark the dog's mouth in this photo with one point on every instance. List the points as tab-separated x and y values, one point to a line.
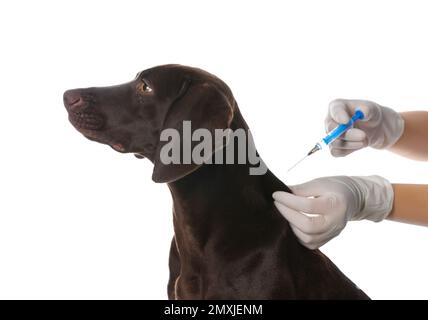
86	120
95	136
90	124
92	132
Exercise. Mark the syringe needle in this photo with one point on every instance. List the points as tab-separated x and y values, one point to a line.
297	163
312	151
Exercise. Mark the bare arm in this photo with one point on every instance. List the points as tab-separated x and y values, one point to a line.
411	200
413	143
410	204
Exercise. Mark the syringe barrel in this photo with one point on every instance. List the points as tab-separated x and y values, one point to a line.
342	128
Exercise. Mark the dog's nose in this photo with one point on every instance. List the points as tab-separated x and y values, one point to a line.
72	99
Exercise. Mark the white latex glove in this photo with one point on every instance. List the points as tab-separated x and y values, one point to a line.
331	202
381	127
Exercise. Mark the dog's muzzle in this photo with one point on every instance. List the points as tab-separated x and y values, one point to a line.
80	112
87	120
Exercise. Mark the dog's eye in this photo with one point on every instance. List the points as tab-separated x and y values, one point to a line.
145	87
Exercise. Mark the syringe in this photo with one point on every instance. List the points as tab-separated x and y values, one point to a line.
333	135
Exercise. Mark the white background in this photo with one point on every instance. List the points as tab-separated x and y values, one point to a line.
78	220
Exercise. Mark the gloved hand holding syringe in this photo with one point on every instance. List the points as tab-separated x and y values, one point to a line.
318	210
333	135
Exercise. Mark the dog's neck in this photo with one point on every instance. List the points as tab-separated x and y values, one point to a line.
222	202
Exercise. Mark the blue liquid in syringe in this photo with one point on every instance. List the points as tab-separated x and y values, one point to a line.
337	132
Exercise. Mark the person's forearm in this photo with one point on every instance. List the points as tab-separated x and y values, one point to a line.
413	143
410	204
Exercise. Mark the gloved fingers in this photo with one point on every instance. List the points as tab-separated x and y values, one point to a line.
319	203
347	145
313	188
298	203
354	134
310	241
368	109
308	224
338	110
330	124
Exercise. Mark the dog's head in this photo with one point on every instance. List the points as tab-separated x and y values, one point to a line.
130	117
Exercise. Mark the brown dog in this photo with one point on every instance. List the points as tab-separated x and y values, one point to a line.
230	241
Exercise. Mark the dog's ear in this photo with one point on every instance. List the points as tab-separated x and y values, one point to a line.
206	107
